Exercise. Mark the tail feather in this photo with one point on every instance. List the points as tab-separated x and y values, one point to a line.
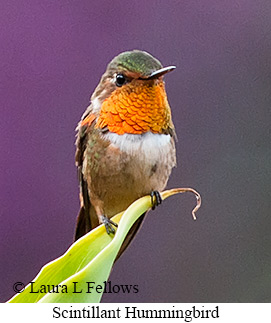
131	234
83	224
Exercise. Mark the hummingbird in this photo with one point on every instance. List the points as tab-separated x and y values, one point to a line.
125	142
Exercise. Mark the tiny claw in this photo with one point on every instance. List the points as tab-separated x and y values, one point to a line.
158	199
109	225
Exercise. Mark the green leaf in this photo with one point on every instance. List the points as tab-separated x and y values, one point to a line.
90	259
75	258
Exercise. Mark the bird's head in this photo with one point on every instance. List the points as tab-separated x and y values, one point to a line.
131	96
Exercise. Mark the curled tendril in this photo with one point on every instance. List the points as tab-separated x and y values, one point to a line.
168	193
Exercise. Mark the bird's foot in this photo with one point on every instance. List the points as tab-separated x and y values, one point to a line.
158	199
109	224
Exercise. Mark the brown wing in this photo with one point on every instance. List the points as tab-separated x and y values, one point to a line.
83	220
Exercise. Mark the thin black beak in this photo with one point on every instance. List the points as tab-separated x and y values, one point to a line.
160	72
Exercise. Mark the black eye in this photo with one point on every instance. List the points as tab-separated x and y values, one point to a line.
120	79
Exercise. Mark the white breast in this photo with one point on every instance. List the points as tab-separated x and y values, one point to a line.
149	146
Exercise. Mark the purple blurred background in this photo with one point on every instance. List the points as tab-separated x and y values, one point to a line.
52	56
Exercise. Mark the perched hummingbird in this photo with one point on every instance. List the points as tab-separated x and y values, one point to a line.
125	141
